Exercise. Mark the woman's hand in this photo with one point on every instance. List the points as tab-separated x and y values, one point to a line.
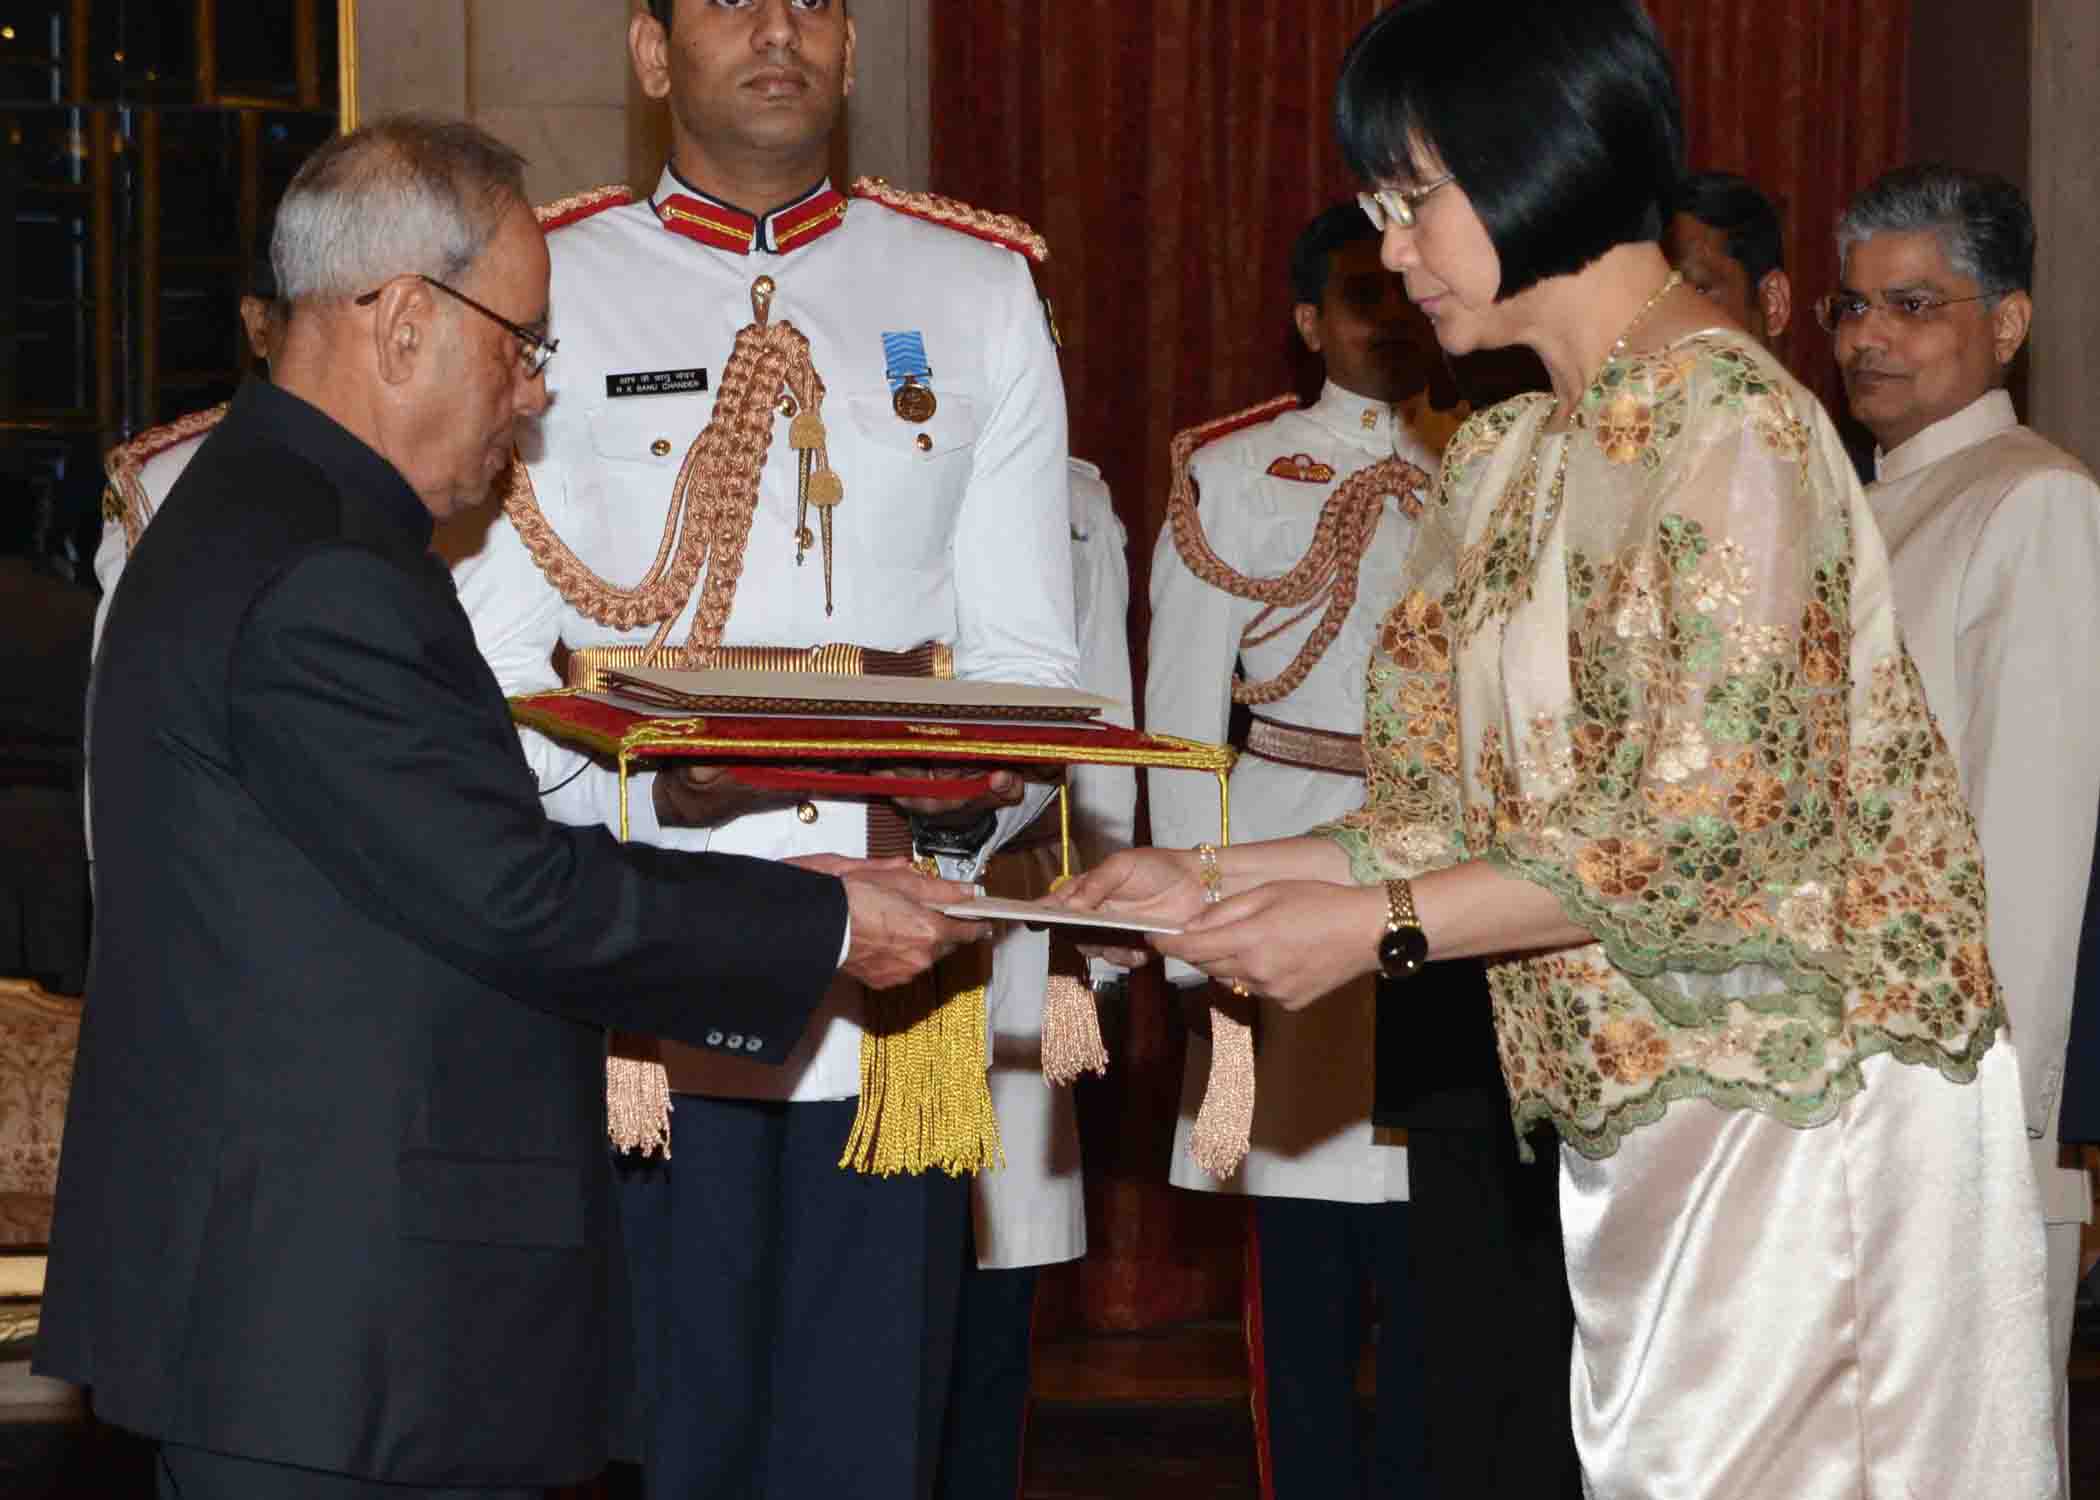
1291	940
1144	885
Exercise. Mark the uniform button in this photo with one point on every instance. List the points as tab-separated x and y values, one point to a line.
925	441
661	447
714	1039
736	1041
806	811
753	1044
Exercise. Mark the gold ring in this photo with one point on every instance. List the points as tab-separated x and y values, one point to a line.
1239	988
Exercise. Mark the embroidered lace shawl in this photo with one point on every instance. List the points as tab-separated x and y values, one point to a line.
1681	705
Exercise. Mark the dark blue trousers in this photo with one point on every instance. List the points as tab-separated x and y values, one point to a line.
181	1473
793	1321
1319	1262
988	1395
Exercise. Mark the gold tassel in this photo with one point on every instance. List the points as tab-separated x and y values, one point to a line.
1218	1142
1071	1031
637	1096
1071	1021
924	1098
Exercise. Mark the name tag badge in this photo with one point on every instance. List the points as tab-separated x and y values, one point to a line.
654	383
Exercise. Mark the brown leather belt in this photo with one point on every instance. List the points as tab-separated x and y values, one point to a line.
1306	749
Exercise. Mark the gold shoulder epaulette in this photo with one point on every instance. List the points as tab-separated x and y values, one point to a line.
999	229
1189	439
126	499
563	212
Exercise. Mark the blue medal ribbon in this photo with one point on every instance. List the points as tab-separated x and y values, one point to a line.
904	356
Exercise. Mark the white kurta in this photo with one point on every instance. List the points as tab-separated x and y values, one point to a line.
1312	1135
1994	547
1032	1212
964	539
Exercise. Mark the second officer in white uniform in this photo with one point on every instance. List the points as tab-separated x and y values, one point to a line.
1330	1209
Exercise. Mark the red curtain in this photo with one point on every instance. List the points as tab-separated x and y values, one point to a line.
1806	98
1171	152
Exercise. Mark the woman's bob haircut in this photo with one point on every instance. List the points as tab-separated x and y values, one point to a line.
1559	118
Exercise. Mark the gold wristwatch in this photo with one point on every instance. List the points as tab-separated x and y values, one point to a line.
1404	948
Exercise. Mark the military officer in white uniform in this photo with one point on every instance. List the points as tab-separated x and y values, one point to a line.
1031	1213
142	471
1994	545
795	1317
1330	1192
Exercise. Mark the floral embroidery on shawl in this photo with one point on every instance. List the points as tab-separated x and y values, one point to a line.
1736	786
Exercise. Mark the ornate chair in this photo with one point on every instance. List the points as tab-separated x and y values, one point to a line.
39	1033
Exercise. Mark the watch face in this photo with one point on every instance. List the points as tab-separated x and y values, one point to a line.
1402	952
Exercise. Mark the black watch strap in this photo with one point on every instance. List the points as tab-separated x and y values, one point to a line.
957	840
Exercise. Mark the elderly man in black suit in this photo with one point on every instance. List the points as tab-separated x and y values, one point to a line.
333	1211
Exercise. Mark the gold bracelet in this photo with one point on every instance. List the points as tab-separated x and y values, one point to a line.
1207	872
1213	880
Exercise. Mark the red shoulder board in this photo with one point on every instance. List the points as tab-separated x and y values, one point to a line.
999	229
579	206
1189	439
1303	468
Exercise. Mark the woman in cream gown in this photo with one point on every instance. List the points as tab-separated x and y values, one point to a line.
1641	726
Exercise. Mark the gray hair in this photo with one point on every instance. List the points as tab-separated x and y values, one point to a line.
403	196
1982	220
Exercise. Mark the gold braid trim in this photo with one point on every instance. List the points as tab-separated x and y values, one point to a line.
588	666
565	211
125	500
1327	574
712	504
999	229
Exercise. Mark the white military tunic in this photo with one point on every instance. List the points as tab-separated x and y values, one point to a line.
167	451
156	476
1312	1135
962	537
1994	546
1032	1212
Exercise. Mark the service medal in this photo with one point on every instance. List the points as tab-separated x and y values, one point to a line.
906	369
914	402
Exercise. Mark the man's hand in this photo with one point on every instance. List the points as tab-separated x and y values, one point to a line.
704	796
896	933
1005	791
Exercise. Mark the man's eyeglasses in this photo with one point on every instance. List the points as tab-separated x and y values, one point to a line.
1842	308
534	349
1383	206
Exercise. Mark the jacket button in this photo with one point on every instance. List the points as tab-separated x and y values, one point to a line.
661	447
753	1044
925	442
714	1039
806	811
736	1041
